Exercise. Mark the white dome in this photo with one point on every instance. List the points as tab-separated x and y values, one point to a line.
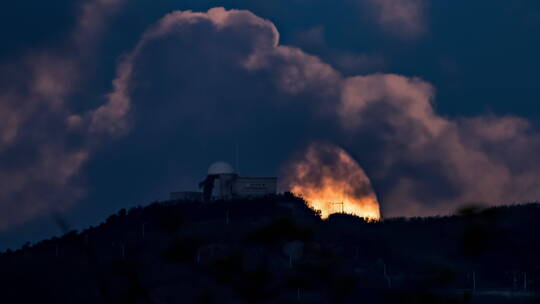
220	168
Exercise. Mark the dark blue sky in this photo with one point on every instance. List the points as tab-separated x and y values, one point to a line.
192	100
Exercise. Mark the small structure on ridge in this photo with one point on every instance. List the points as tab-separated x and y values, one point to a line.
223	183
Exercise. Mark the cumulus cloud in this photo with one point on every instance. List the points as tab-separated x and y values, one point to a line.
406	18
432	164
257	49
39	164
223	72
421	162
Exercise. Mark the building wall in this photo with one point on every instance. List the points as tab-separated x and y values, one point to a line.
224	186
255	186
229	186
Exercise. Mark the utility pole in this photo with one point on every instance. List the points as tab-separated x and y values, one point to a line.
290	260
385	275
474	281
237	156
143	229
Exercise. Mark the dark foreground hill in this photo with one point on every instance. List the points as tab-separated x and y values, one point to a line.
277	250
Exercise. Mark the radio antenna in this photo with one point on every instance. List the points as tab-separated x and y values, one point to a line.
237	156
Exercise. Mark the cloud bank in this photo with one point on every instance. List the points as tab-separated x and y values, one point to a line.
431	164
218	73
424	163
40	158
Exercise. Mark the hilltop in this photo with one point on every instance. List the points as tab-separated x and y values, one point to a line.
278	250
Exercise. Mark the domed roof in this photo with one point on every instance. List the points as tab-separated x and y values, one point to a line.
220	168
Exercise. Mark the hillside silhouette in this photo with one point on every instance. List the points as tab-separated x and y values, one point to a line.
278	250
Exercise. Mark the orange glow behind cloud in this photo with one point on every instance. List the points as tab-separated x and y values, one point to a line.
331	181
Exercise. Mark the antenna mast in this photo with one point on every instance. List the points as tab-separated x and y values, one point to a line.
237	157
342	206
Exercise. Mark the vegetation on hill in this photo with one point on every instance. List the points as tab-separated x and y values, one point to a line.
277	250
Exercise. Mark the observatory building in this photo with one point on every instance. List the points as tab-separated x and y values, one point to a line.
223	183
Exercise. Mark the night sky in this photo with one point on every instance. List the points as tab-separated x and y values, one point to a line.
109	104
